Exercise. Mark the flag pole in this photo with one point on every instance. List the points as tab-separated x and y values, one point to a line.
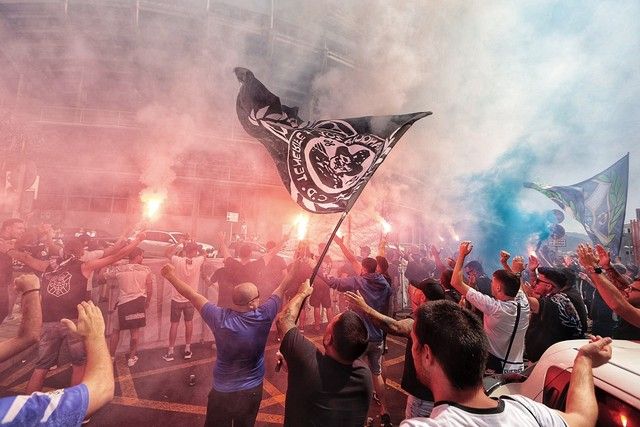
326	247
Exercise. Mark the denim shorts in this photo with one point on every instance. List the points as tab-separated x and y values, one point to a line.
373	354
56	337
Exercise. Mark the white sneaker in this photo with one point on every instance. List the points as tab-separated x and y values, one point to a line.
132	361
188	354
168	357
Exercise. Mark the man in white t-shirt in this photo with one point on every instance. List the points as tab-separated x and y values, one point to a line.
135	287
450	361
508	306
187	270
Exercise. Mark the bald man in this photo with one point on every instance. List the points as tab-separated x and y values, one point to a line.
241	334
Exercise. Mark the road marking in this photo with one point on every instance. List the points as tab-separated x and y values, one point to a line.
170	368
395	385
127	387
160	405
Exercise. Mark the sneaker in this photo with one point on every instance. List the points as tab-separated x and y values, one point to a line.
132	361
168	357
187	354
385	420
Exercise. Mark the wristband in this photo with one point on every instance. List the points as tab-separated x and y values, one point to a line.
597	270
30	290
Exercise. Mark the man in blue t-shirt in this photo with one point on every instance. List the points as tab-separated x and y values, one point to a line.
241	334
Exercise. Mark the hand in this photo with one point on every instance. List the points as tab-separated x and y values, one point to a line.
587	257
280	362
305	289
141	236
355	300
465	248
598	350
504	257
517	266
604	256
533	262
168	270
90	322
26	282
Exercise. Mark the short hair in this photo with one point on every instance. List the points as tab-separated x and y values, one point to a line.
457	341
431	289
369	265
382	263
475	266
10	222
245	251
350	336
191	247
509	281
554	275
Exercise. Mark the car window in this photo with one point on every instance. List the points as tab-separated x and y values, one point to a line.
611	410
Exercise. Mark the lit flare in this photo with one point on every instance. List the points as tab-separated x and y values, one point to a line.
386	227
302	226
152	202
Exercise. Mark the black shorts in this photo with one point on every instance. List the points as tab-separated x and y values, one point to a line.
131	315
178	307
321	295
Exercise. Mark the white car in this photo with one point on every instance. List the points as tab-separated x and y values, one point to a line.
617	383
156	243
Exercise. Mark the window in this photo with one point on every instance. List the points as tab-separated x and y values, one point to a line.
611	410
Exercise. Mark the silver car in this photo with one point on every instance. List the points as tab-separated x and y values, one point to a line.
157	242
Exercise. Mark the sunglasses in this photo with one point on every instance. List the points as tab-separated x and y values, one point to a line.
257	297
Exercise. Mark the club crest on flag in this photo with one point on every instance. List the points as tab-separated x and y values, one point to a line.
323	163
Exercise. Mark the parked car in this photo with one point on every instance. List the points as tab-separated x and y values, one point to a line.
157	241
95	238
617	383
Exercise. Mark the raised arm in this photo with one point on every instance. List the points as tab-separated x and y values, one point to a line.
169	273
582	407
96	264
394	327
31	324
98	374
34	263
286	319
274	251
435	254
609	293
223	249
604	260
504	260
348	254
457	278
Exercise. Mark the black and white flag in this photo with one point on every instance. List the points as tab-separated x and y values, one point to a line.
324	164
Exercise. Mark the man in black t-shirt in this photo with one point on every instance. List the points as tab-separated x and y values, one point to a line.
63	287
330	389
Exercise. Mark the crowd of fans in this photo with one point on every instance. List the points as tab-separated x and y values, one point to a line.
464	325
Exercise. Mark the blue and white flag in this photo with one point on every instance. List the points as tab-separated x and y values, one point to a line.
599	203
323	164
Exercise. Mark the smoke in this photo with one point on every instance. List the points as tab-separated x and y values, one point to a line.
506	81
